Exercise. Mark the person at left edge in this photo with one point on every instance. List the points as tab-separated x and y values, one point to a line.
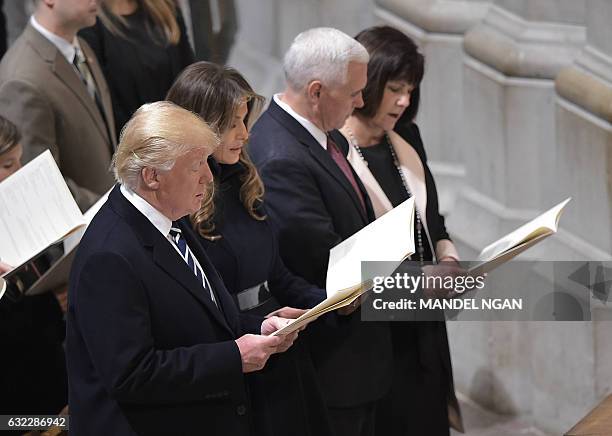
155	344
31	326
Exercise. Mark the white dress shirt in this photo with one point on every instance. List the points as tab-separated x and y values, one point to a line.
319	135
66	48
158	219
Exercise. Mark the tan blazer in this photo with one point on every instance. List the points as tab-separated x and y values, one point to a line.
44	96
414	174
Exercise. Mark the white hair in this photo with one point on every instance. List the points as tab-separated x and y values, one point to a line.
321	54
156	135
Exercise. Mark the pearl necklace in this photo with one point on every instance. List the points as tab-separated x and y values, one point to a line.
419	225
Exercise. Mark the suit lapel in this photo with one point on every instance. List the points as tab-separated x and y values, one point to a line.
66	73
102	91
320	155
412	168
169	260
226	304
414	174
326	161
379	199
368	213
164	255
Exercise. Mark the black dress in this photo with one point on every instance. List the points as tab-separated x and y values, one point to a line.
33	366
138	69
285	394
422	377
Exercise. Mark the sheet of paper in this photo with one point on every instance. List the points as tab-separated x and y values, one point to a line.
543	224
337	300
60	270
489	265
36	210
389	238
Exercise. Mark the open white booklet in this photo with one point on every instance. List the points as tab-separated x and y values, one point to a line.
36	211
58	273
390	239
514	243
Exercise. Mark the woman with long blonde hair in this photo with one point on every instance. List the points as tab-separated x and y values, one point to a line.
239	240
142	46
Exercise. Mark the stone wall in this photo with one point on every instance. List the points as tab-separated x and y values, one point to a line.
515	114
516	111
267	27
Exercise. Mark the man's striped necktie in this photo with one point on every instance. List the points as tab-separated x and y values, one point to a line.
179	240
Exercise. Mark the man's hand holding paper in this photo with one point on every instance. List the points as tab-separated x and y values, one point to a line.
274	323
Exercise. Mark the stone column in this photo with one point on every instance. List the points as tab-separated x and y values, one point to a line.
510	65
583	168
267	28
526	148
255	51
584	114
438	26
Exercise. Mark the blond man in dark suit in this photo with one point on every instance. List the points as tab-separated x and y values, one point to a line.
53	89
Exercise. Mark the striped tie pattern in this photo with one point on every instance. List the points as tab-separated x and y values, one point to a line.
177	237
80	62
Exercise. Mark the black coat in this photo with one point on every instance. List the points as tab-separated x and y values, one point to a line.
314	207
285	394
33	368
423	386
148	352
247	253
138	68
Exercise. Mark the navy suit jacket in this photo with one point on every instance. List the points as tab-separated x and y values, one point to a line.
148	352
314	207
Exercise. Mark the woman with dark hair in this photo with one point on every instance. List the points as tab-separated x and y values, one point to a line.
142	46
388	155
240	242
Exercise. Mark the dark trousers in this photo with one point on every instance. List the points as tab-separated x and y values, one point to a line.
417	403
354	421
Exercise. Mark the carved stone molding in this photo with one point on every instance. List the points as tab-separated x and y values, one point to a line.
520	48
588	83
439	16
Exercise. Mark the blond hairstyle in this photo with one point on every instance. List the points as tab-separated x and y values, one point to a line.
156	136
160	13
215	92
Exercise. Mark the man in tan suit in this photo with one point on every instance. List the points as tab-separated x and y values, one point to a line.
53	89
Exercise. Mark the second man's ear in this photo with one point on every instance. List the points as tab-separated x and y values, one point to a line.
314	89
150	178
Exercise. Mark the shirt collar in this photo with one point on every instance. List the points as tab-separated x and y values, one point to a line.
158	219
319	135
67	49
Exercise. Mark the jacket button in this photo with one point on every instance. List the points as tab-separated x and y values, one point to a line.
241	410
